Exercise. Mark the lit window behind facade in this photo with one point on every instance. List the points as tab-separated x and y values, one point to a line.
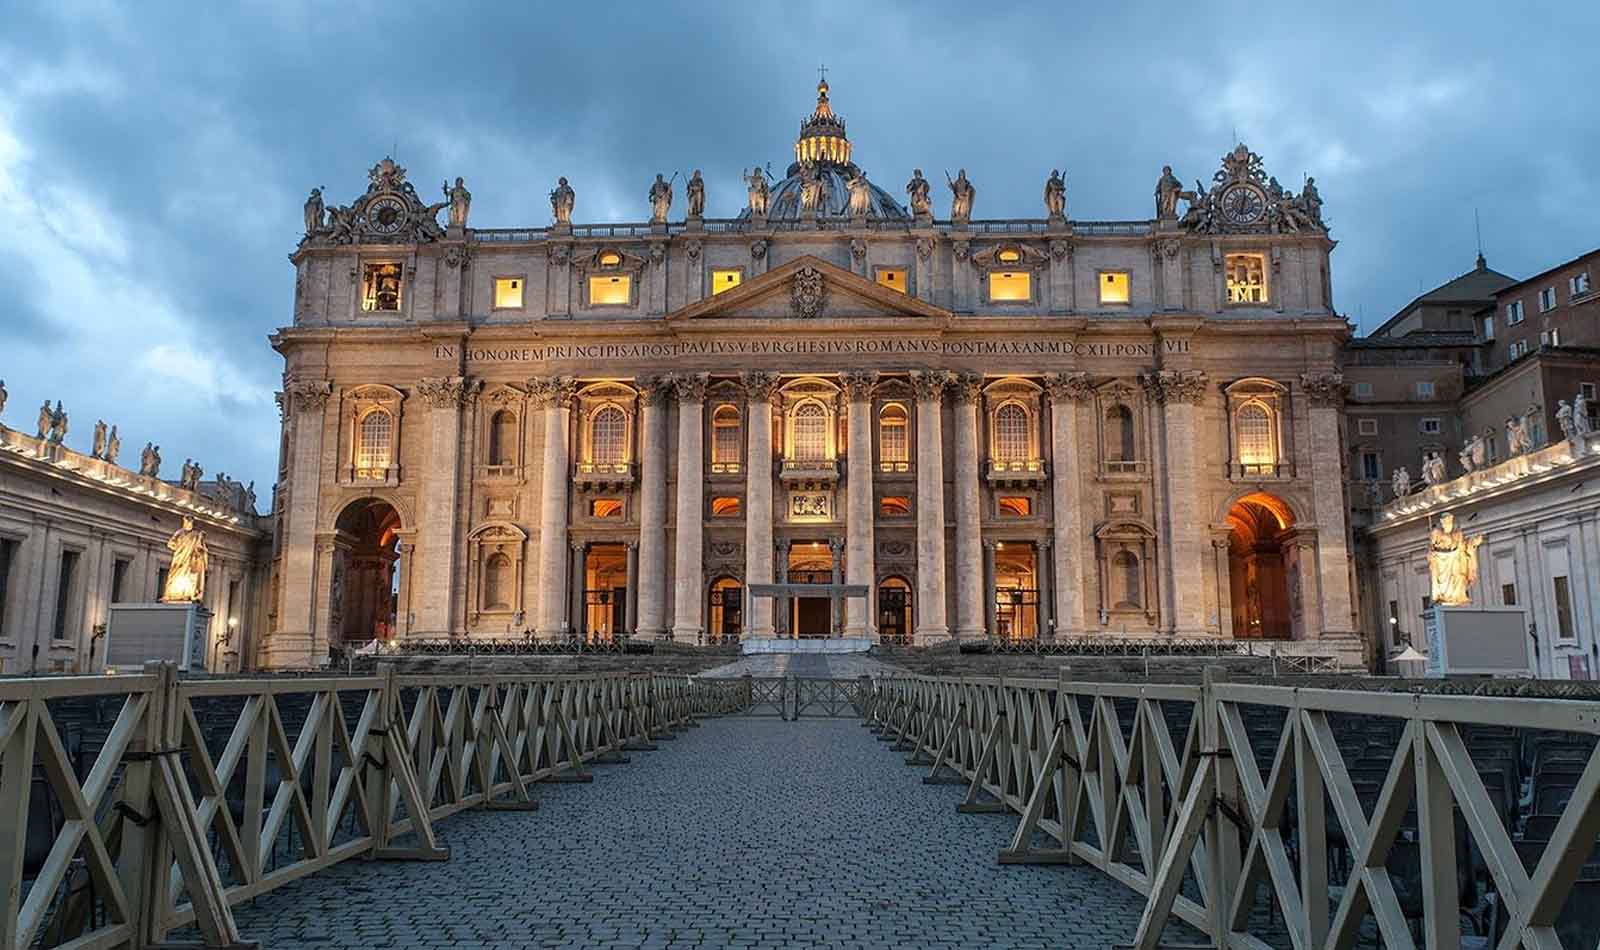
373	444
1011	434
810	433
608	432
1255	436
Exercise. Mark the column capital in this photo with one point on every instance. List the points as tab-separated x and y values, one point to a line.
555	391
965	388
448	392
1175	386
929	384
836	545
653	390
309	395
1068	387
578	546
759	385
1326	389
858	385
691	387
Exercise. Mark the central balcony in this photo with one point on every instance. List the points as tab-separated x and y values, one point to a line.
809	473
1017	473
603	476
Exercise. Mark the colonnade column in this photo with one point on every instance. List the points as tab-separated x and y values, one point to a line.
782	606
1179	393
989	577
758	388
972	619
859	539
436	532
930	603
304	403
1041	570
630	606
554	396
1067	390
578	588
1326	391
688	621
835	552
652	557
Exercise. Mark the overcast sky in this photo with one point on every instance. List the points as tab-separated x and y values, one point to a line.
154	156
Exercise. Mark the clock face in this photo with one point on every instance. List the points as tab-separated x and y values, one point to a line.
1242	204
386	214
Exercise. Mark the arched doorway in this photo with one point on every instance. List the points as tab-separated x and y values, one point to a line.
365	590
1016	592
1259	564
725	611
605	592
810	562
894	610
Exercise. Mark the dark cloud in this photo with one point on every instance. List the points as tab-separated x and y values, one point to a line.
153	157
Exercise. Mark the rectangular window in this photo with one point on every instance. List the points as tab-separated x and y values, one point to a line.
1563	607
1578	284
8	557
1514	313
1015	506
1588	390
1364	390
1431	425
1488	326
161	581
725	506
725	280
508	293
231	618
1547	299
1550	337
119	579
1518	349
1247	278
893	278
1369	466
610	290
1424	389
380	287
1010	286
1367	426
1114	287
1508	595
605	508
894	506
66	579
1394	613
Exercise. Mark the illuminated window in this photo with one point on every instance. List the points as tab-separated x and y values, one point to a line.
1009	255
610	290
503	438
605	508
497	583
380	288
1010	285
1016	506
508	293
894	506
610	259
810	432
893	278
608	433
1247	278
1011	433
1114	287
373	444
725	280
893	444
725	506
1254	425
725	439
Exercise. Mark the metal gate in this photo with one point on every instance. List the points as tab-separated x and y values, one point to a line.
795	697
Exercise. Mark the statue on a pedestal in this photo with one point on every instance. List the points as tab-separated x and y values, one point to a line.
98	447
186	577
660	199
562	201
1055	196
918	188
1168	190
962	195
460	200
1452	562
113	447
756	183
696	190
860	195
1581	426
315	211
1401	482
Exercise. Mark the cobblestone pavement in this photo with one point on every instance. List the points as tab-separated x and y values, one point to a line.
813	665
743	833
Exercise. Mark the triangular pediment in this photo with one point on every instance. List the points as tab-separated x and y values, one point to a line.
808	288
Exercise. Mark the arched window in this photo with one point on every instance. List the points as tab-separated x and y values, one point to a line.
497	583
810	432
608	434
503	438
1011	433
1119	434
1253	423
894	447
374	444
1125	580
725	436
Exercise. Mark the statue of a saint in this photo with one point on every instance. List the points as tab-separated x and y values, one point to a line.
1518	440
314	212
962	195
341	223
113	446
1433	469
1168	190
696	191
811	200
1401	483
460	201
562	201
756	182
919	190
58	425
1310	202
186	576
1480	449
1055	196
99	447
250	499
660	199
1581	425
1564	419
44	420
3	395
1452	562
860	195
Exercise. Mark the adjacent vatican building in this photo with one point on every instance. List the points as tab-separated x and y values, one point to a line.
1035	428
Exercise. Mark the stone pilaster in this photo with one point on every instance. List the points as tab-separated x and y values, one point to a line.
988	581
577	591
1179	394
1066	391
758	498
1326	392
436	530
652	580
858	530
688	621
630	609
294	643
836	555
781	605
972	621
554	396
930	603
1041	566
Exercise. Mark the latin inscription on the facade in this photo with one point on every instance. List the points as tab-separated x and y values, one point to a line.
809	346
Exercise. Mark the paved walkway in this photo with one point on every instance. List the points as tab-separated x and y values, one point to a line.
743	833
813	665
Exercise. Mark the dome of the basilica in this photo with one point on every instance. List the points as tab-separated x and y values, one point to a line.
823	151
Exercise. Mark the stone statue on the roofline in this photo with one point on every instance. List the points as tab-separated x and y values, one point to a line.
811	200
1055	196
860	195
660	199
1564	419
3	395
919	191
58	425
315	210
562	201
756	184
1401	482
695	190
150	461
1517	439
1433	472
1581	426
962	196
113	447
460	201
1168	190
98	442
44	420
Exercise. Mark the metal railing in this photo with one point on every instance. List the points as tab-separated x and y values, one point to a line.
1197	796
177	799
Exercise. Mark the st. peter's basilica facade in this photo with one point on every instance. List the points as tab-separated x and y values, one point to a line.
1041	428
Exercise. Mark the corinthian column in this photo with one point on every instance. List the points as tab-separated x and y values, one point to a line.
858	561
436	533
652	595
1179	393
929	607
554	396
304	403
688	620
758	497
1067	390
970	622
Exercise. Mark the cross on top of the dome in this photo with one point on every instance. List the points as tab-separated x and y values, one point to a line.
822	137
